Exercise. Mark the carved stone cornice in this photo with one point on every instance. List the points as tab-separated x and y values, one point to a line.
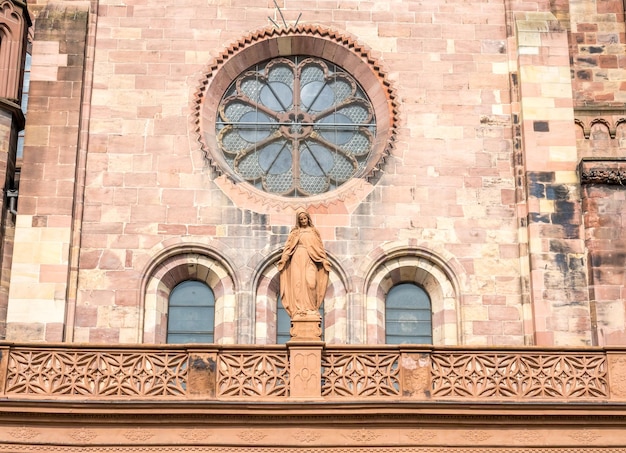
329	432
357	412
603	171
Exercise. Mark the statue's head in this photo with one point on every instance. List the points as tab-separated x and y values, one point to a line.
301	216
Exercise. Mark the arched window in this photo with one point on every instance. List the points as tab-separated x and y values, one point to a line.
191	313
408	316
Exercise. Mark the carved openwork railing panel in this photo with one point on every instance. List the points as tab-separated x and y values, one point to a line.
76	372
519	375
360	373
347	372
253	373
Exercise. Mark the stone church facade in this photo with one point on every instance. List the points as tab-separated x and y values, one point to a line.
471	152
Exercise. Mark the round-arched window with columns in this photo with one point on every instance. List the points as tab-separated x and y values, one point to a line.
188	264
426	272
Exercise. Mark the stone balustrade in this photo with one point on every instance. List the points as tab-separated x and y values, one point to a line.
312	371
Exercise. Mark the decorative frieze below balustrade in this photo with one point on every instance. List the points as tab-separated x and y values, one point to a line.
326	373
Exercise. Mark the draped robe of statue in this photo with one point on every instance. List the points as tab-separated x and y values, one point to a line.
304	272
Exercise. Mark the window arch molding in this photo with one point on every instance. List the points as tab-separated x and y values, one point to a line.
14	28
181	263
305	40
267	287
428	271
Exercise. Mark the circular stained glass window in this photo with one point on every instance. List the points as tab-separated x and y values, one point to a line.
296	126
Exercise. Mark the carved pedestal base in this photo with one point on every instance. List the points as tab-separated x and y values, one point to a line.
305	355
306	327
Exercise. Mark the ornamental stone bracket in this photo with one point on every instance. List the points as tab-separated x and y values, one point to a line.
602	171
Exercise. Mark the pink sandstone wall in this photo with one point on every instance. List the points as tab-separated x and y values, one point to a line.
49	192
478	199
597	45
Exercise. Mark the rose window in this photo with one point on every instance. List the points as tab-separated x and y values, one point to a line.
295	126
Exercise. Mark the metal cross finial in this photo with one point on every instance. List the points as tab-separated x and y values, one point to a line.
282	17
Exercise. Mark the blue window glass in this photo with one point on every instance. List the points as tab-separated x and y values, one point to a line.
296	126
408	316
191	314
25	91
283	323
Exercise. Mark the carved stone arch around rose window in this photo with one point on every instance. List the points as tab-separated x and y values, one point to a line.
296	112
267	291
429	273
189	263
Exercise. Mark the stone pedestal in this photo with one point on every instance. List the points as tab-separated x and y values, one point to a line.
305	355
305	359
306	327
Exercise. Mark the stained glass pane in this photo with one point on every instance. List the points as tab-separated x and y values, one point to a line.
191	314
315	160
408	316
277	96
275	158
296	116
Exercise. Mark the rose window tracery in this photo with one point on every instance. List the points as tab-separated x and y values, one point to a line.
296	126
